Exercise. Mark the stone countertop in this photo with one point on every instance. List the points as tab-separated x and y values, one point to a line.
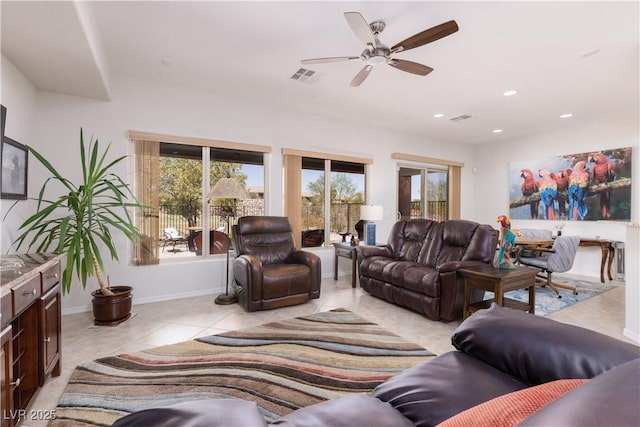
17	268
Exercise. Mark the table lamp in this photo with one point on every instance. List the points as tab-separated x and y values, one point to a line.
371	213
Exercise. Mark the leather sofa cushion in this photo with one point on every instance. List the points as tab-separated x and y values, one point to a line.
440	388
347	411
610	399
374	266
422	279
536	349
199	413
415	232
281	280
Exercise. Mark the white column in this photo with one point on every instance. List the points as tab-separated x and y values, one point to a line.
632	283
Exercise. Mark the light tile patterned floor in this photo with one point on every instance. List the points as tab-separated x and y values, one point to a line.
173	321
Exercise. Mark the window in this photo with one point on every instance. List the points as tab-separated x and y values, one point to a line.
428	188
316	218
173	177
423	193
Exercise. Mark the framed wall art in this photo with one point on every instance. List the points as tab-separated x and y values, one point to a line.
576	187
14	169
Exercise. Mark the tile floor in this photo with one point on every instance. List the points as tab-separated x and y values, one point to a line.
173	321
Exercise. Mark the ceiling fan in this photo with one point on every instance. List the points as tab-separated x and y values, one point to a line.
378	53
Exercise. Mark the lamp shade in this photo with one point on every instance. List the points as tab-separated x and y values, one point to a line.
371	212
227	188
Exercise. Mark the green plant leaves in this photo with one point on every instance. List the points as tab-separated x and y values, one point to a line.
84	217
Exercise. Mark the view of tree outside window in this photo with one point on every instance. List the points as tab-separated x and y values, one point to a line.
346	190
180	194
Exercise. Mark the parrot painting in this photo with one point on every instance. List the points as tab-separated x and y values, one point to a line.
507	241
530	186
578	189
548	193
602	172
562	181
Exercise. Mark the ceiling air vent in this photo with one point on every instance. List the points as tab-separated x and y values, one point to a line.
460	118
305	75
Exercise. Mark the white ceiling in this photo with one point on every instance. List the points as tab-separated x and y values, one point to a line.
577	57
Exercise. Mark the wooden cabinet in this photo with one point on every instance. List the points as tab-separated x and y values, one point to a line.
31	330
50	310
6	371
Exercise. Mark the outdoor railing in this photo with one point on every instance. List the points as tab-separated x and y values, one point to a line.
343	216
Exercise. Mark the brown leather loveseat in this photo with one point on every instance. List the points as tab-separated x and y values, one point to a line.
269	271
417	268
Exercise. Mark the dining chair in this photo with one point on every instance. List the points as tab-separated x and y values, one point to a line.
557	259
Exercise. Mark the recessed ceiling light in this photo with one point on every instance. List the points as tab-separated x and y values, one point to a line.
497	131
438	116
566	116
510	92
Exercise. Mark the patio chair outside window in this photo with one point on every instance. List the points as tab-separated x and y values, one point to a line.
171	235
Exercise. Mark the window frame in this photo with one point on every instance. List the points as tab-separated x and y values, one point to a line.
143	187
454	176
292	186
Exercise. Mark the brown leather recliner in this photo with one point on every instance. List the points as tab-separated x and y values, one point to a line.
269	271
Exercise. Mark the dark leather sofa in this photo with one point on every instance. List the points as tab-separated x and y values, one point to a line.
417	268
502	356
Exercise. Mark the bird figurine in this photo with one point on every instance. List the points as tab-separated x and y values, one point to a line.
529	187
548	193
577	192
602	171
507	241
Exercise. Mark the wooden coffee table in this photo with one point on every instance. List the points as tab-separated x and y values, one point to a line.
499	281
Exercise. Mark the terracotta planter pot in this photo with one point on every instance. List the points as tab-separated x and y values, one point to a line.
111	310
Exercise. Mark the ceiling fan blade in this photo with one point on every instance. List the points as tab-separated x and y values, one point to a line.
360	27
410	67
426	36
329	59
361	76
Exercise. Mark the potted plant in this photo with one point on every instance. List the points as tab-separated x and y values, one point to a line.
81	222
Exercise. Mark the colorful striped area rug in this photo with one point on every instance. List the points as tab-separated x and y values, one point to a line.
282	366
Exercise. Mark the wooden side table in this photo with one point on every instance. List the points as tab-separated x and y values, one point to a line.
499	281
345	250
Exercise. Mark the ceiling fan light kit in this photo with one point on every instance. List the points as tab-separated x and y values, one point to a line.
378	53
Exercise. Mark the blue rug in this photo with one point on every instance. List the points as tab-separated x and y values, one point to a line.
547	302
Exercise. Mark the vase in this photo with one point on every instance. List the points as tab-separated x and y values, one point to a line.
111	310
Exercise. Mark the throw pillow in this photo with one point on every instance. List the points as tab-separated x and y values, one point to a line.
510	409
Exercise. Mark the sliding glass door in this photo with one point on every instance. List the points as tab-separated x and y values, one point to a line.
423	193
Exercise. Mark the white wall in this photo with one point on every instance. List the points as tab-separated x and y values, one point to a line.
147	106
19	96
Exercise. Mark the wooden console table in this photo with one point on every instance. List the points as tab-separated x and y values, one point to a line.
498	281
608	253
30	310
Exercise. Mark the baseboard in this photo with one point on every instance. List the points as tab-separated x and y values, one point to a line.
633	336
147	300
